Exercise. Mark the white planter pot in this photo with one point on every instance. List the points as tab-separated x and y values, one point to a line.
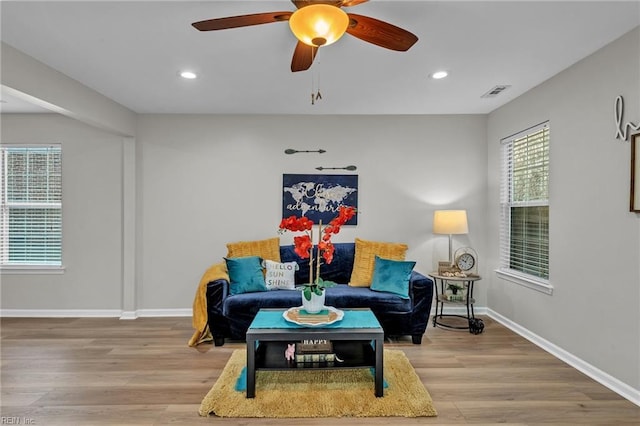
316	304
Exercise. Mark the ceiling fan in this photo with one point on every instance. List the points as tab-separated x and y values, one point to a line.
320	23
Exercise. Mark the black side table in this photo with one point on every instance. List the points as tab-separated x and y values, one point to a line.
441	283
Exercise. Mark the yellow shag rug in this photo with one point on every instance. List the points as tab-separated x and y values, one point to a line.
320	393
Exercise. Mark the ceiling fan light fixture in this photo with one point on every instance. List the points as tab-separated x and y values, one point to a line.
318	24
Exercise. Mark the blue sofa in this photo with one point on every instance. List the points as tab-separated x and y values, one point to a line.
230	316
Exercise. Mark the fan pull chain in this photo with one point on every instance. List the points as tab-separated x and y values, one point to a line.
317	95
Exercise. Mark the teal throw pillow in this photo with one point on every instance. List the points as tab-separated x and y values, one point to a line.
245	274
392	276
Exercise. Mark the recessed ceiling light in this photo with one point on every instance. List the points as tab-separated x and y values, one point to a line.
188	75
439	74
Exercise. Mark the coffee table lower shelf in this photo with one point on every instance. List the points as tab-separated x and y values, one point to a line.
353	354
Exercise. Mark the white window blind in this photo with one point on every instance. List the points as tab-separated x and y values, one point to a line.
31	210
524	193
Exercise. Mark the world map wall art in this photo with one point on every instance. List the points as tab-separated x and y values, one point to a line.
319	197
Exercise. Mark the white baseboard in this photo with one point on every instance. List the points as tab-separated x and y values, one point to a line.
187	312
460	310
617	386
93	313
60	313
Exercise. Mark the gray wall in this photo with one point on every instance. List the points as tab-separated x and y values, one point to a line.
203	181
92	218
209	180
594	312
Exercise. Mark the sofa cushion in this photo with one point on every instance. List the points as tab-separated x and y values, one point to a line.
248	304
345	296
392	276
341	296
365	253
245	275
280	276
268	249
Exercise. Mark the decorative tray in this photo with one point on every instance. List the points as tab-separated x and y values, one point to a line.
299	316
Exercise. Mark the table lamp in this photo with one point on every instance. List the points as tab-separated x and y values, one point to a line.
450	222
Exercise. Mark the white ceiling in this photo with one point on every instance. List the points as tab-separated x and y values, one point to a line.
132	52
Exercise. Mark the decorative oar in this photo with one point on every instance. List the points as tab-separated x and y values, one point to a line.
295	151
350	168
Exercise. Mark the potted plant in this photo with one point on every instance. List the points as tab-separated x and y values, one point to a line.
455	291
313	295
313	291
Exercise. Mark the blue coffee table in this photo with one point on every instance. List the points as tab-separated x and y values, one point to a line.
358	340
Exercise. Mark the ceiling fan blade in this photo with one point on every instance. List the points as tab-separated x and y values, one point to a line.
350	3
303	57
380	33
241	21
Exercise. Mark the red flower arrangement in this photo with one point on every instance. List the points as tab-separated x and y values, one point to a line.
304	244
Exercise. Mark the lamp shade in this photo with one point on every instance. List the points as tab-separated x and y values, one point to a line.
450	222
318	24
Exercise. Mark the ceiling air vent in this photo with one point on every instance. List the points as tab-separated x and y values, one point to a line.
495	91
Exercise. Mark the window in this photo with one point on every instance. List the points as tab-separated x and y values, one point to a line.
31	206
524	193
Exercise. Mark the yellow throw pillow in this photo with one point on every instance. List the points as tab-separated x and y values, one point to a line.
366	252
266	249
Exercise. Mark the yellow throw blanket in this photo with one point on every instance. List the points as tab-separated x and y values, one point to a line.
200	318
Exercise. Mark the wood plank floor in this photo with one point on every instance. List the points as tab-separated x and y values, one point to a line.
104	371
